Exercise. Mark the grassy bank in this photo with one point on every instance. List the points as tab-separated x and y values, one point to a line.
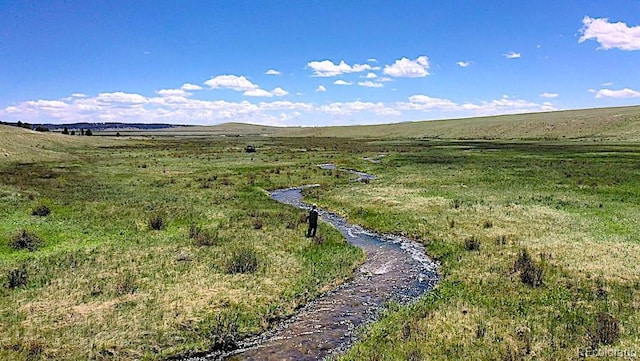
144	249
538	244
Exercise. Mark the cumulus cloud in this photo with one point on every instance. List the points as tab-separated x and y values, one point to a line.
279	92
342	82
326	68
321	88
272	72
370	84
512	55
188	86
406	68
371	76
463	64
173	93
257	93
372	60
505	105
121	97
239	83
610	35
622	93
549	95
348	108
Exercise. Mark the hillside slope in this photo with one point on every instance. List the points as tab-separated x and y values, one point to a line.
605	123
24	145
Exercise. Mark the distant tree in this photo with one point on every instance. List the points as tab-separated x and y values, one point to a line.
73	132
41	128
117	134
81	131
88	132
65	131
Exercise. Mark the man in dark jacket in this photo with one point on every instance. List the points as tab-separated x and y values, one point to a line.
312	218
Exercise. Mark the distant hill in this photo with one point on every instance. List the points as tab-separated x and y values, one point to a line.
622	123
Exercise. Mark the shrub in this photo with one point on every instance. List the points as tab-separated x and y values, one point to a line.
41	211
16	278
472	244
224	332
487	224
456	203
26	240
156	223
242	261
530	272
606	330
257	223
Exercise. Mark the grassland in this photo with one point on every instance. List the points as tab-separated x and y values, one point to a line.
106	286
225	262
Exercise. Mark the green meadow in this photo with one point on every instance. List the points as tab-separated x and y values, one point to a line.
157	246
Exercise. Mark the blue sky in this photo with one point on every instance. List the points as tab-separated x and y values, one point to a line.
313	62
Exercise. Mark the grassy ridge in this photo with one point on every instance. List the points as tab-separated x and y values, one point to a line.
621	124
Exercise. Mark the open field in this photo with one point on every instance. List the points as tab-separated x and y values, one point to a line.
104	285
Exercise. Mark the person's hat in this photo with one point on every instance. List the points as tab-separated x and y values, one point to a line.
314	205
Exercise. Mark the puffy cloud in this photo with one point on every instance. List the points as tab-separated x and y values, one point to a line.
370	84
239	83
623	93
512	55
425	102
173	92
327	68
405	68
321	88
372	60
272	72
610	35
371	76
257	93
549	95
188	86
463	64
342	82
279	92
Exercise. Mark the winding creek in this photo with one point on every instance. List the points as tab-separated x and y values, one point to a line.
396	269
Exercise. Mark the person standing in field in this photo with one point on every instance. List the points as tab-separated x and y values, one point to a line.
312	218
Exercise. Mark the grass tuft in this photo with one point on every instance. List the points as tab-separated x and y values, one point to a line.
244	260
16	277
26	240
156	223
41	211
530	272
472	244
606	330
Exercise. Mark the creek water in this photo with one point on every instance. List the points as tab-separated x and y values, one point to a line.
396	270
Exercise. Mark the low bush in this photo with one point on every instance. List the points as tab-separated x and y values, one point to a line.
16	278
472	244
41	211
530	272
202	237
156	223
605	331
26	240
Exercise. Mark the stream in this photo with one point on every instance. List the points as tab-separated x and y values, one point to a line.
396	270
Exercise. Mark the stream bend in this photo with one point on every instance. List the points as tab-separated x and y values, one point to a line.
396	269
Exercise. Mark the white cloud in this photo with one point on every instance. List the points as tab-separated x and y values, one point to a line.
607	84
463	64
424	102
385	79
188	86
623	93
372	60
321	88
342	82
405	68
121	97
239	83
279	92
371	76
348	108
327	68
173	92
512	55
610	35
257	93
272	72
79	95
370	84
549	95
